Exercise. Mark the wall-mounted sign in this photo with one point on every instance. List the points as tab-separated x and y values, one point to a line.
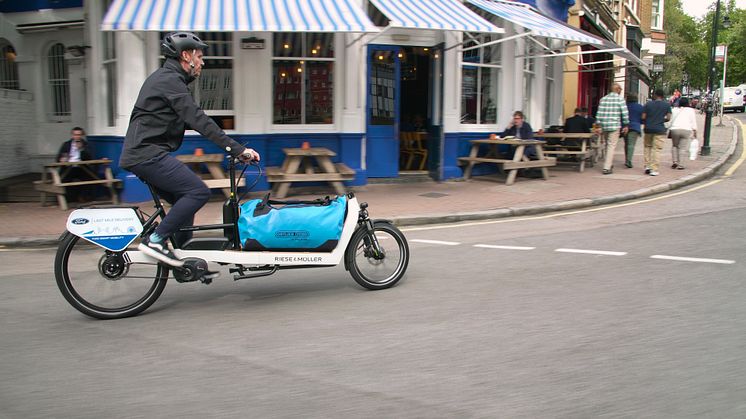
720	52
252	43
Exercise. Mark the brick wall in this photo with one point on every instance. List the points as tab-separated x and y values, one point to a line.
17	127
646	13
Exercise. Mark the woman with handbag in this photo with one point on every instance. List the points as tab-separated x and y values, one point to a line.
683	129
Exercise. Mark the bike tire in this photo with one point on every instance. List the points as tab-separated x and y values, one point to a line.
79	282
371	272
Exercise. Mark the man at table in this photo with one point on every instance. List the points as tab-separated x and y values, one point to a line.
73	150
521	130
576	124
162	110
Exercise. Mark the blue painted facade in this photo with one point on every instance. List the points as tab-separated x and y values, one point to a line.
347	146
14	6
554	8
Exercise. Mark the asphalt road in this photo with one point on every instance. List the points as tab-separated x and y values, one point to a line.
630	311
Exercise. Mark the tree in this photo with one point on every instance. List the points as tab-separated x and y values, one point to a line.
686	50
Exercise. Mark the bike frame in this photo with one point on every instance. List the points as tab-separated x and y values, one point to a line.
234	254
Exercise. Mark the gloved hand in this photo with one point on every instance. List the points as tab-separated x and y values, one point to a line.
249	155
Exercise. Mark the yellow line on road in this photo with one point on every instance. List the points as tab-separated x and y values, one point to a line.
728	173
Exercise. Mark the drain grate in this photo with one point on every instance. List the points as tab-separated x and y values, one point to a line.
434	195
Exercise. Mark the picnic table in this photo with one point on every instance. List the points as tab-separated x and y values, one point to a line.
54	173
570	144
298	166
518	160
215	176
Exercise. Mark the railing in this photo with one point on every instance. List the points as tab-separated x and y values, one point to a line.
16	94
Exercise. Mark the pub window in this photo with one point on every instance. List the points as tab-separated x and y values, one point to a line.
8	66
59	83
302	78
549	63
480	79
529	76
213	89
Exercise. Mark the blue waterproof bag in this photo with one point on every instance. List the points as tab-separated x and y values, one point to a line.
299	226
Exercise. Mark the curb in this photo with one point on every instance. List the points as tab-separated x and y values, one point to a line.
707	172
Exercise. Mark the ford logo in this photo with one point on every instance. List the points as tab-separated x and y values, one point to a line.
80	221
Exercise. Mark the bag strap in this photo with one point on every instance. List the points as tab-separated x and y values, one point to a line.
318	201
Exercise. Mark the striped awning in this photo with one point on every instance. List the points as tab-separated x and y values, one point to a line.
447	15
237	15
534	21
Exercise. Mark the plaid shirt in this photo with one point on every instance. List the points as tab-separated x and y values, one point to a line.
612	112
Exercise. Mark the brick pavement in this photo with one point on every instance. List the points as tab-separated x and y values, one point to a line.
479	197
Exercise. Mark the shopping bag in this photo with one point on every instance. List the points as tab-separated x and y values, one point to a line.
693	149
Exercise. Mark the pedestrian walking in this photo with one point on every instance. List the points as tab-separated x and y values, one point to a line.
655	114
613	116
635	128
683	129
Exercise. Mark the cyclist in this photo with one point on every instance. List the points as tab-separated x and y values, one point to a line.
163	108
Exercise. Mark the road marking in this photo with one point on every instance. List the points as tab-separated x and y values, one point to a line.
740	161
591	252
435	242
702	260
493	246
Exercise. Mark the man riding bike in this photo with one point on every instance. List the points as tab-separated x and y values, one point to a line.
163	108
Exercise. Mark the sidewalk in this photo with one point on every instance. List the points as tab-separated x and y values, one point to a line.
481	197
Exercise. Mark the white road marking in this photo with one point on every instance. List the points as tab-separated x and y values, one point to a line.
702	260
591	252
435	242
493	246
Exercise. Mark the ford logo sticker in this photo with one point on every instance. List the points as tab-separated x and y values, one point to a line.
80	221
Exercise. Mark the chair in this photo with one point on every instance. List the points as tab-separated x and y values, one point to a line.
412	146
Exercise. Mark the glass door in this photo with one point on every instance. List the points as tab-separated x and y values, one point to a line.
382	145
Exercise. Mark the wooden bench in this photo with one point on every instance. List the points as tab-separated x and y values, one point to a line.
51	180
582	151
215	176
519	161
298	167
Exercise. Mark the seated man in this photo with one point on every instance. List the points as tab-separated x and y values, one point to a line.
521	129
577	124
72	150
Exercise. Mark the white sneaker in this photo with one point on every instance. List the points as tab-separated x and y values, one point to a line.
654	173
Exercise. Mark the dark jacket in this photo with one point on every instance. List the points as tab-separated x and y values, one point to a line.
163	109
577	124
65	150
526	132
635	116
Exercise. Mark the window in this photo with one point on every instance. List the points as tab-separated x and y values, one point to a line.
303	78
59	82
656	19
8	66
633	5
109	63
480	79
529	75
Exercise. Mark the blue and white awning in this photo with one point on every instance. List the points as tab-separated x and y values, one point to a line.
237	15
447	15
535	22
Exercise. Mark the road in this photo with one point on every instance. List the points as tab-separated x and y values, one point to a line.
634	310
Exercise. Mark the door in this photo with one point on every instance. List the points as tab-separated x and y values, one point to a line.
382	145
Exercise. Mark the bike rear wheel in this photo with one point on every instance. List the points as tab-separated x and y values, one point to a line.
380	263
101	284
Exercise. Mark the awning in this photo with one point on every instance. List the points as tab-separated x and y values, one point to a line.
237	15
537	23
446	15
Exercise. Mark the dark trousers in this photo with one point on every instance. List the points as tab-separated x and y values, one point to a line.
180	187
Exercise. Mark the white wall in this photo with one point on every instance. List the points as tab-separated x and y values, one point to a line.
17	126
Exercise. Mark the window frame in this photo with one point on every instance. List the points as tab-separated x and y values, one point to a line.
58	83
496	65
304	58
8	66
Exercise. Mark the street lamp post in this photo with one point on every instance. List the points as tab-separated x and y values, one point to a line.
711	83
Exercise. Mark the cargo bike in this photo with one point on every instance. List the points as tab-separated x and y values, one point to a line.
101	273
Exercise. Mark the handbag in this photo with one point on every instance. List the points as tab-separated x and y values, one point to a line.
668	124
693	148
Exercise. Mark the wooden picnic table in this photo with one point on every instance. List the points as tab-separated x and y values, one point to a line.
518	161
214	164
52	179
570	144
298	166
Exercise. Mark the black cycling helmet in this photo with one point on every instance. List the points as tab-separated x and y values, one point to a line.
176	42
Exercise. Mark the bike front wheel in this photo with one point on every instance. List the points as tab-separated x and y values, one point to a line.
377	259
102	284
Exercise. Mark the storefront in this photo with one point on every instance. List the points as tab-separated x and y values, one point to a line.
348	75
